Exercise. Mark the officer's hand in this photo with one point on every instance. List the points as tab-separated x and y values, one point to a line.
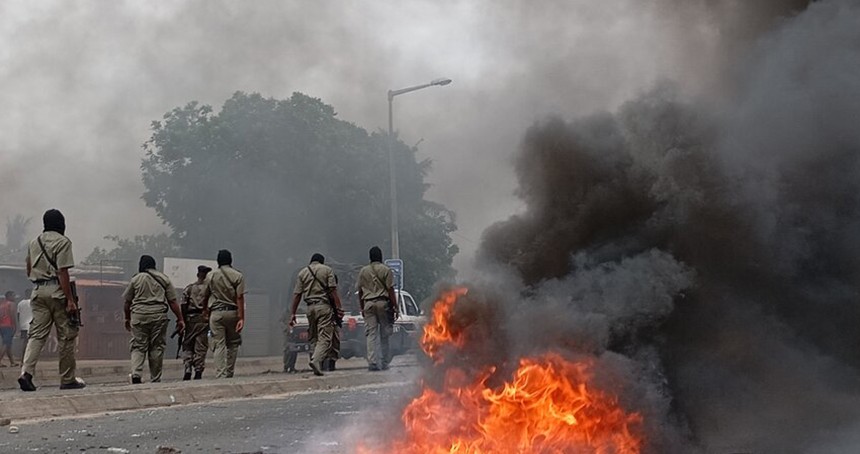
340	313
71	308
293	320
240	324
128	325
180	326
205	316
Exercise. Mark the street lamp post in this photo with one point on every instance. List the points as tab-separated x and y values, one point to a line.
395	238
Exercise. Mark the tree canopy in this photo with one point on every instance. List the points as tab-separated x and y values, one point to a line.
129	250
276	180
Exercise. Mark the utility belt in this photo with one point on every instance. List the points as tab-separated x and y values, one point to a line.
192	311
147	313
51	280
376	299
316	301
224	309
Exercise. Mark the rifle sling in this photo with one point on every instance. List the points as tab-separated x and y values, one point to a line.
384	285
327	292
324	287
234	285
51	261
164	286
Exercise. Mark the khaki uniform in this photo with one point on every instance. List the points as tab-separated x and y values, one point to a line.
196	339
148	295
225	285
49	305
377	328
320	313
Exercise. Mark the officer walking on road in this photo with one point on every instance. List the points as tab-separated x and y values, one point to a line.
196	340
147	299
49	258
316	282
224	306
376	297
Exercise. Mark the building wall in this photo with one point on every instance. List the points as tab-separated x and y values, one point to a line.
14	277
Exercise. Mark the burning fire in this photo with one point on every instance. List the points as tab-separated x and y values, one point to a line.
546	406
437	333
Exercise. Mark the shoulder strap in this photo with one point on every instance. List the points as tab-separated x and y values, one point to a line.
162	284
376	276
232	284
324	287
45	253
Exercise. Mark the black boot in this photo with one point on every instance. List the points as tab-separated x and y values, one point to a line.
25	381
187	376
198	374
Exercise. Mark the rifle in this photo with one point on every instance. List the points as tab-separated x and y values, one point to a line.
181	338
338	319
74	316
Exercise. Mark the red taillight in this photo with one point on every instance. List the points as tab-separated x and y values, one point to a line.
351	323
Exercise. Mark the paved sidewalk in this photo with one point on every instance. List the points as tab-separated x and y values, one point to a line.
50	402
116	371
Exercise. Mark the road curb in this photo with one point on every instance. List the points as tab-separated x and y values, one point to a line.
135	397
113	371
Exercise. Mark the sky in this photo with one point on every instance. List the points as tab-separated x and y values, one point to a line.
82	81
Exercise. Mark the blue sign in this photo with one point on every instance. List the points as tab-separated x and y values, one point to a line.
396	266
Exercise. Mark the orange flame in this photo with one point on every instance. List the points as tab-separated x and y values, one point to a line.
547	406
437	332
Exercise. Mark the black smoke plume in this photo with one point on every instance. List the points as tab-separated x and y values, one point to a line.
718	247
707	254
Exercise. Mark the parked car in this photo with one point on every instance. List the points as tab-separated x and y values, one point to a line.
352	340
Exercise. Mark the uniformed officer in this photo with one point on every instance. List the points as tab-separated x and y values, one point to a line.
196	340
316	282
224	306
49	258
147	299
376	297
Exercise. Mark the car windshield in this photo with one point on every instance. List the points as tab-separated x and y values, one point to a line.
411	307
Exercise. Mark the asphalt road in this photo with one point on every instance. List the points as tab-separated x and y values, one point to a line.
311	422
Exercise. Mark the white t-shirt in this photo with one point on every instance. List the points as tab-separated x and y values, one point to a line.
25	315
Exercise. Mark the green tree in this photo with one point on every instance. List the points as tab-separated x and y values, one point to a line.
129	250
276	180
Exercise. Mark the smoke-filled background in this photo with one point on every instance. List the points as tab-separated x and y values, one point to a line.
82	81
712	241
701	234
